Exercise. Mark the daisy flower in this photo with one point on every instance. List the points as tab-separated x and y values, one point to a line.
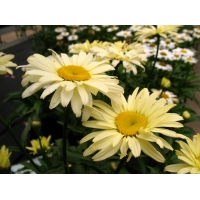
190	155
5	63
134	28
124	34
73	37
59	29
196	35
130	55
161	30
71	78
165	54
167	44
86	46
169	96
163	66
112	28
65	33
35	145
183	51
4	157
59	37
189	59
131	125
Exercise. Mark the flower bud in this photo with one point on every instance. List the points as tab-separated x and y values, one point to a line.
186	115
166	83
36	124
113	165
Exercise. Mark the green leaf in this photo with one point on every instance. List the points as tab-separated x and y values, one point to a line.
28	165
14	148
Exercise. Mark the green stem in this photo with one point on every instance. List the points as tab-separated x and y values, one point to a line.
18	143
153	66
121	163
65	138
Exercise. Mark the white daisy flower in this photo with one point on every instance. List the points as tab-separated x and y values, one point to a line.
73	37
112	28
124	34
59	29
169	96
163	66
59	37
65	33
72	79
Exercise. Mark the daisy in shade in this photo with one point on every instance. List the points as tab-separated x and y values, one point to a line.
70	78
163	65
59	37
72	37
59	29
131	125
190	155
169	96
5	63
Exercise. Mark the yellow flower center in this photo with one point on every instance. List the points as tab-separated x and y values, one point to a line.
129	123
152	45
183	51
163	53
73	73
164	95
189	58
162	64
176	55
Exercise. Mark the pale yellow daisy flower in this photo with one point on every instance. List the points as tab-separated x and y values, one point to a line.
86	46
131	55
190	155
35	145
5	63
4	157
161	30
72	79
131	125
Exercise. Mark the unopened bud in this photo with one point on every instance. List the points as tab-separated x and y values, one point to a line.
166	83
36	124
113	165
186	115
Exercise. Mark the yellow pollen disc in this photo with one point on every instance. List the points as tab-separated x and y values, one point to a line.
183	51
168	42
73	73
162	63
129	123
189	58
163	53
152	45
164	95
176	55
